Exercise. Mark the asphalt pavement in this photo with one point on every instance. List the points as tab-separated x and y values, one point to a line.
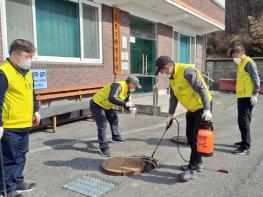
72	152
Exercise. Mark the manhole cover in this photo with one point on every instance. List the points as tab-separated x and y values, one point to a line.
126	166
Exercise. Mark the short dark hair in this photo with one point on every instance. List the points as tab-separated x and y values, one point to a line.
21	45
237	49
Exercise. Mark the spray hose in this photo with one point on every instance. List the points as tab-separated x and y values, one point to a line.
178	134
221	170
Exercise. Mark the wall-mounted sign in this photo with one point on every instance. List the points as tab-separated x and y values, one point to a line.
124	42
124	66
132	39
124	56
116	41
40	79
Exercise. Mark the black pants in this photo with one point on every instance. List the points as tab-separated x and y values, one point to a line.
15	147
244	119
193	121
101	116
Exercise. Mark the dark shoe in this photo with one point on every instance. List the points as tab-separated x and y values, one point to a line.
118	140
13	194
25	187
241	151
105	152
188	175
238	143
200	167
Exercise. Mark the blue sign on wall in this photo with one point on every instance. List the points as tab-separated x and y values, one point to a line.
40	79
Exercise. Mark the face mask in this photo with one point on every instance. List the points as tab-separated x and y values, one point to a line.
237	60
25	64
132	90
166	76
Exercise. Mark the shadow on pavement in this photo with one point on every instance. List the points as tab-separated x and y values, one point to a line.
71	144
224	148
154	141
77	163
159	177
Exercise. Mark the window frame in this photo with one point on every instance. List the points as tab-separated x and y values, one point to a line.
57	59
179	32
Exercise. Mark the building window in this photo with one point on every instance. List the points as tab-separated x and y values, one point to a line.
19	20
184	48
90	32
57	25
62	30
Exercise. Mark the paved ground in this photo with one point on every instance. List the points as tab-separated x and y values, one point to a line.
56	159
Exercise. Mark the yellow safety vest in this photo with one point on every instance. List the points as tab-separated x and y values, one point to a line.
18	102
244	84
102	96
184	92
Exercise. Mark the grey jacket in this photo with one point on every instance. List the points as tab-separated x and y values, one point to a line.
251	69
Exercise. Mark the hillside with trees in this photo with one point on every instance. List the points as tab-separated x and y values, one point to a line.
244	25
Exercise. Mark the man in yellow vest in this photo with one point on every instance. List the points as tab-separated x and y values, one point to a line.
17	112
101	107
189	88
247	88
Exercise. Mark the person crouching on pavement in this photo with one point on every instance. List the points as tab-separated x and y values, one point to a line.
101	106
189	88
18	108
247	88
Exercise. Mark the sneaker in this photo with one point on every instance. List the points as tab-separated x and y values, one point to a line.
188	175
119	140
238	143
105	152
25	187
200	167
241	151
12	194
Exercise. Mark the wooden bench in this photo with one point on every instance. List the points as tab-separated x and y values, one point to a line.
51	94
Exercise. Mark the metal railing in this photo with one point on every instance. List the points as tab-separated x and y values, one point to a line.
155	90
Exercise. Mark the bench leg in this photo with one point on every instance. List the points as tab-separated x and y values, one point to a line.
54	122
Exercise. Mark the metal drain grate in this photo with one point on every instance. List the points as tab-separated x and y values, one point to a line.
90	186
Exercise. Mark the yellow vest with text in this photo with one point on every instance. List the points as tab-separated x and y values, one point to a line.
184	92
244	84
101	98
18	102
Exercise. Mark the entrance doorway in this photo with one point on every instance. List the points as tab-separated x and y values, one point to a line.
143	52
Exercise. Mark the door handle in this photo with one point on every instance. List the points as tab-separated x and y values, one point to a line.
142	63
146	63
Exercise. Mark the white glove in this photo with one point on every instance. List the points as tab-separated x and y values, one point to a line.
207	115
1	132
254	100
37	118
129	104
169	118
133	111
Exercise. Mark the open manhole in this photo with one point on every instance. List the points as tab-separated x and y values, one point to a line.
127	166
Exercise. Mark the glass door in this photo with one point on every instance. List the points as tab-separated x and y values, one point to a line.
143	55
143	51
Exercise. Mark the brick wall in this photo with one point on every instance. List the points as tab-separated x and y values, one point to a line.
199	52
164	46
227	69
